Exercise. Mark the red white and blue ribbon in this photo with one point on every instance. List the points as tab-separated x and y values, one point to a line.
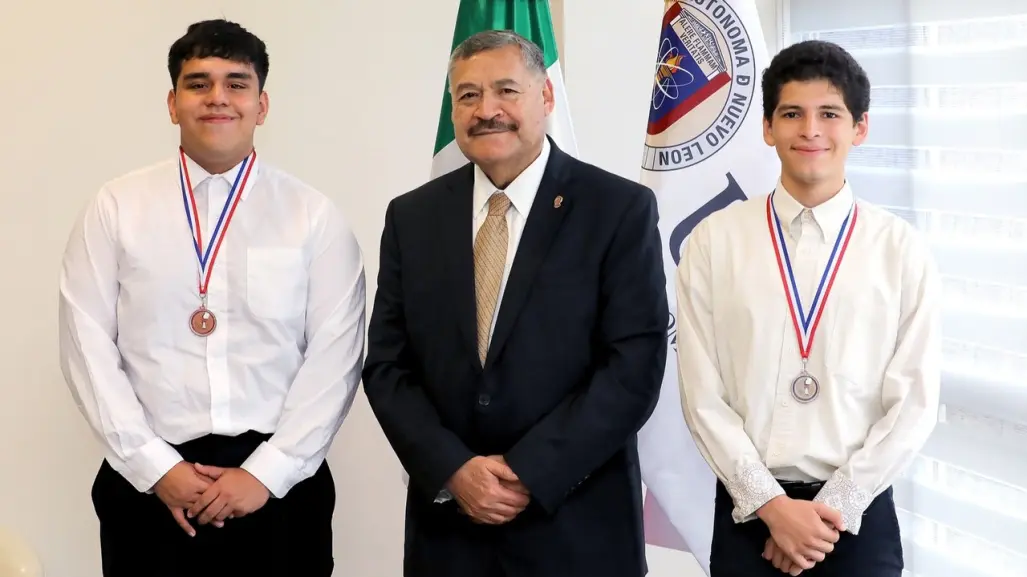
806	323
206	255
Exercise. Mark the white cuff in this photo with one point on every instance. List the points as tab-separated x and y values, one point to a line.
276	470
848	498
751	487
444	496
150	463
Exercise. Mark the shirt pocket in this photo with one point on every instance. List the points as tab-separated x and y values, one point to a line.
276	282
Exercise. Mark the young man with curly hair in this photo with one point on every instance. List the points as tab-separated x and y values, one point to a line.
809	343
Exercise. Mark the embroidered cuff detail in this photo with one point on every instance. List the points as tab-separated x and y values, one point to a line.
851	500
751	488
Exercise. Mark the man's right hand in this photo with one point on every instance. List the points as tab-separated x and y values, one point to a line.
179	488
804	531
478	488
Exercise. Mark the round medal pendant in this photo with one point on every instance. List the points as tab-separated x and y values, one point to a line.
202	322
805	388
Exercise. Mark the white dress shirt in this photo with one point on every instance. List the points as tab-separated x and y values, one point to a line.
287	289
876	351
521	192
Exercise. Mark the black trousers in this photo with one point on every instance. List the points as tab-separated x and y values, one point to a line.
289	536
737	549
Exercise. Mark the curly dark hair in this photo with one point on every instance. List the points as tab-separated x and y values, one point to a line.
219	39
817	60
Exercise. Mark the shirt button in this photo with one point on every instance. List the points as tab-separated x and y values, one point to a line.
484	400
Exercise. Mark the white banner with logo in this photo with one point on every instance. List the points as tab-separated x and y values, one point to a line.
703	151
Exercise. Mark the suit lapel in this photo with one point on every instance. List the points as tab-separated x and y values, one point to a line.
540	229
454	226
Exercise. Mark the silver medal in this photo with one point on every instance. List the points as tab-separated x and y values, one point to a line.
805	387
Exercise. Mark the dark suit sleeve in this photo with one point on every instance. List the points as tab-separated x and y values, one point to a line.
429	452
589	427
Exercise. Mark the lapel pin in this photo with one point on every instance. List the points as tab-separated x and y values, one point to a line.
558	202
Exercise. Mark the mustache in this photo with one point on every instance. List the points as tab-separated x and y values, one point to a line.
491	125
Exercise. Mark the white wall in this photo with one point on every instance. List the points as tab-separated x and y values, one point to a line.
355	93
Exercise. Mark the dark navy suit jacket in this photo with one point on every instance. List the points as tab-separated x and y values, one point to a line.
573	372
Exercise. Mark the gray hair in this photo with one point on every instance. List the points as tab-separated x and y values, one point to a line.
534	59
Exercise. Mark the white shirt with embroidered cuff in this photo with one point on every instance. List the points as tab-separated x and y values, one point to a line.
876	351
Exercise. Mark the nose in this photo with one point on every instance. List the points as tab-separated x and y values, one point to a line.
810	126
217	95
488	107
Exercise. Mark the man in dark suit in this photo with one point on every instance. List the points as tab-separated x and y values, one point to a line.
518	340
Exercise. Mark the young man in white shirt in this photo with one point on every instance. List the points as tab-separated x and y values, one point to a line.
212	333
809	346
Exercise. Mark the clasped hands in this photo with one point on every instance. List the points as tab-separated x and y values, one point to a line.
802	533
488	491
213	494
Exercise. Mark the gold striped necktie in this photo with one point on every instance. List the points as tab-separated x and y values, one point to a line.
489	262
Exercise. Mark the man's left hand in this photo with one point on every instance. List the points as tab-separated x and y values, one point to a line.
234	493
517	485
513	485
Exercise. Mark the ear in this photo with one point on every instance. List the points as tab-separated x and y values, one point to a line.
862	129
768	133
548	100
265	104
171	106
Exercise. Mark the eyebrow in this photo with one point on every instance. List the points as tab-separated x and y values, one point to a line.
206	76
796	107
501	83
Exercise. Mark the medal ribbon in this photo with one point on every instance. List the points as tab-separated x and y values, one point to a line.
206	257
806	324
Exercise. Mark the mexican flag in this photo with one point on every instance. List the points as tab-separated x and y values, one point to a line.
531	19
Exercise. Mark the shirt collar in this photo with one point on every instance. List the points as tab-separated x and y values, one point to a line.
521	191
829	215
199	175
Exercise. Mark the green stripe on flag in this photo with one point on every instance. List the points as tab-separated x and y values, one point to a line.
529	18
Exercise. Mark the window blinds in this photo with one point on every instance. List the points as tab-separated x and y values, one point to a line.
947	151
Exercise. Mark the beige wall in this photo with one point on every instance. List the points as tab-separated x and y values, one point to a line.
83	89
556	7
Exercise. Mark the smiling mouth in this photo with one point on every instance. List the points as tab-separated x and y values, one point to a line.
216	119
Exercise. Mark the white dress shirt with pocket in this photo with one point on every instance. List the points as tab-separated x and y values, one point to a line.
876	352
287	289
